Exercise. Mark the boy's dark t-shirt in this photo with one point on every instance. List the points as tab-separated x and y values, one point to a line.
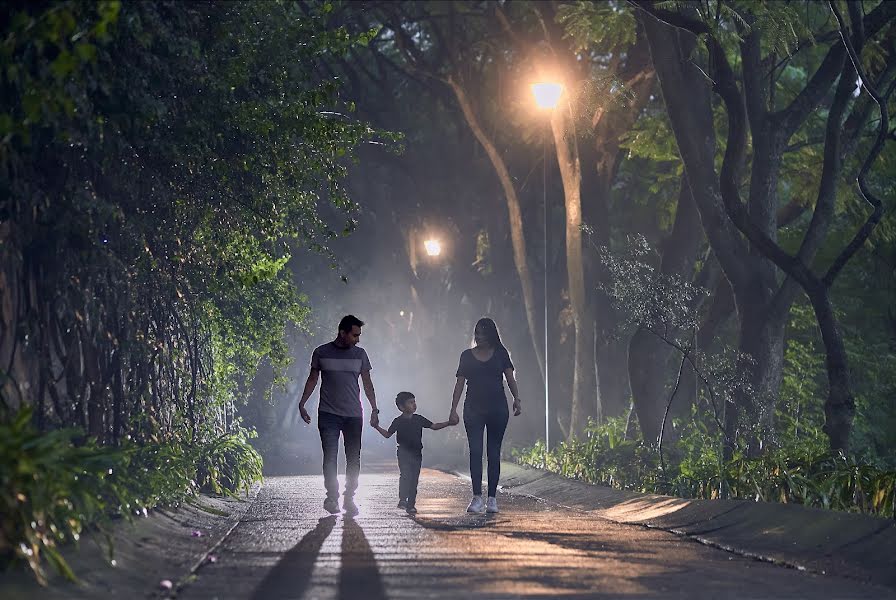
485	381
410	430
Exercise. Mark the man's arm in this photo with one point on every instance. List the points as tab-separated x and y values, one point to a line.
371	397
310	384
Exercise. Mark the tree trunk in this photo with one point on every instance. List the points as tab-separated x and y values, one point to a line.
601	159
585	397
840	408
687	96
514	214
11	396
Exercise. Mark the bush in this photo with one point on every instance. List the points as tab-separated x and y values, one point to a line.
229	464
801	472
55	485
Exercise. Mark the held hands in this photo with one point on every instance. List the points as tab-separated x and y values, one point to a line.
517	407
374	419
453	419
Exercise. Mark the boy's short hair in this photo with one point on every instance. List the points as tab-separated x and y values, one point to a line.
402	398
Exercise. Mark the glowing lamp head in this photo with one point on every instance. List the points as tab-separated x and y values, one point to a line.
547	94
433	247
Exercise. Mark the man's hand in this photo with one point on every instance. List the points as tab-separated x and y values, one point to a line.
374	419
453	418
304	413
517	407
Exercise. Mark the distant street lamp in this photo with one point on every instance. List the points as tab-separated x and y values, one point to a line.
547	96
433	247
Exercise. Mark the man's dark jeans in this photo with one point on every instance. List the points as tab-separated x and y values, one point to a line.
409	463
330	426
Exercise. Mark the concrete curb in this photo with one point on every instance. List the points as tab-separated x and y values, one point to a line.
167	544
827	542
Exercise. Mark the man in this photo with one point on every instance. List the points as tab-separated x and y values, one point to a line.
341	362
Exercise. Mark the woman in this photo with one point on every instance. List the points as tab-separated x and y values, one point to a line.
481	368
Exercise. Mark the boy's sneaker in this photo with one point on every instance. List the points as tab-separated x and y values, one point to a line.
331	505
491	505
349	506
402	504
412	510
476	505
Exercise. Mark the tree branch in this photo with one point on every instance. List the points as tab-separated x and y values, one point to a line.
883	131
793	116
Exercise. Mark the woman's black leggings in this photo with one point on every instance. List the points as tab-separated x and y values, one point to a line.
496	423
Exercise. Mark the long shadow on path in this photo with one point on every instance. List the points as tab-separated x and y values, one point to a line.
291	576
359	576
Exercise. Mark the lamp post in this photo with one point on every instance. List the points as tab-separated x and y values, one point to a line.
547	96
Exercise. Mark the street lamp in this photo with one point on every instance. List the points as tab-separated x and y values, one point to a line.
547	96
547	93
433	247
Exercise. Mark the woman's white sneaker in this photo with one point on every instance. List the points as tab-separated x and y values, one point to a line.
476	505
492	505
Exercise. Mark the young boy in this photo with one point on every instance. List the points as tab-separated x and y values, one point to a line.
409	428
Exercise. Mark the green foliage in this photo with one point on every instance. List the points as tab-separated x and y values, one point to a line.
803	472
229	464
61	43
613	458
600	26
782	24
54	486
154	194
649	298
802	386
161	164
863	297
651	138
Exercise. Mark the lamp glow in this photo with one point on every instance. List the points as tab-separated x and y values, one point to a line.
547	94
433	247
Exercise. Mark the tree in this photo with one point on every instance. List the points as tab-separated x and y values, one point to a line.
763	303
155	187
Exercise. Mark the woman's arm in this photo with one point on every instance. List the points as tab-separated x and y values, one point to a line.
455	399
511	383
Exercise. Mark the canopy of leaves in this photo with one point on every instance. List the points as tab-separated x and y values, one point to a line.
160	161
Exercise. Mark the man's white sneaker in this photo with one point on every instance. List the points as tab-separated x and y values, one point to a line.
476	505
491	506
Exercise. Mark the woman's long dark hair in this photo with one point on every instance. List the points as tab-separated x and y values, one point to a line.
491	332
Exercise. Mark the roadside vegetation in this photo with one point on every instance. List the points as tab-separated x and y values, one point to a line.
159	163
804	472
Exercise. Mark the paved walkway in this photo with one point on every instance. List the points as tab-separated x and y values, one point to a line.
286	547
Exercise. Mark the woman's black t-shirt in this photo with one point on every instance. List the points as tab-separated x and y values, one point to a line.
485	380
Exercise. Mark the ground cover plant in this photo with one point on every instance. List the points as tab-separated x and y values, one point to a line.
806	473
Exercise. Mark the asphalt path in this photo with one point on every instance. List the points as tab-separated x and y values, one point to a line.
287	546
